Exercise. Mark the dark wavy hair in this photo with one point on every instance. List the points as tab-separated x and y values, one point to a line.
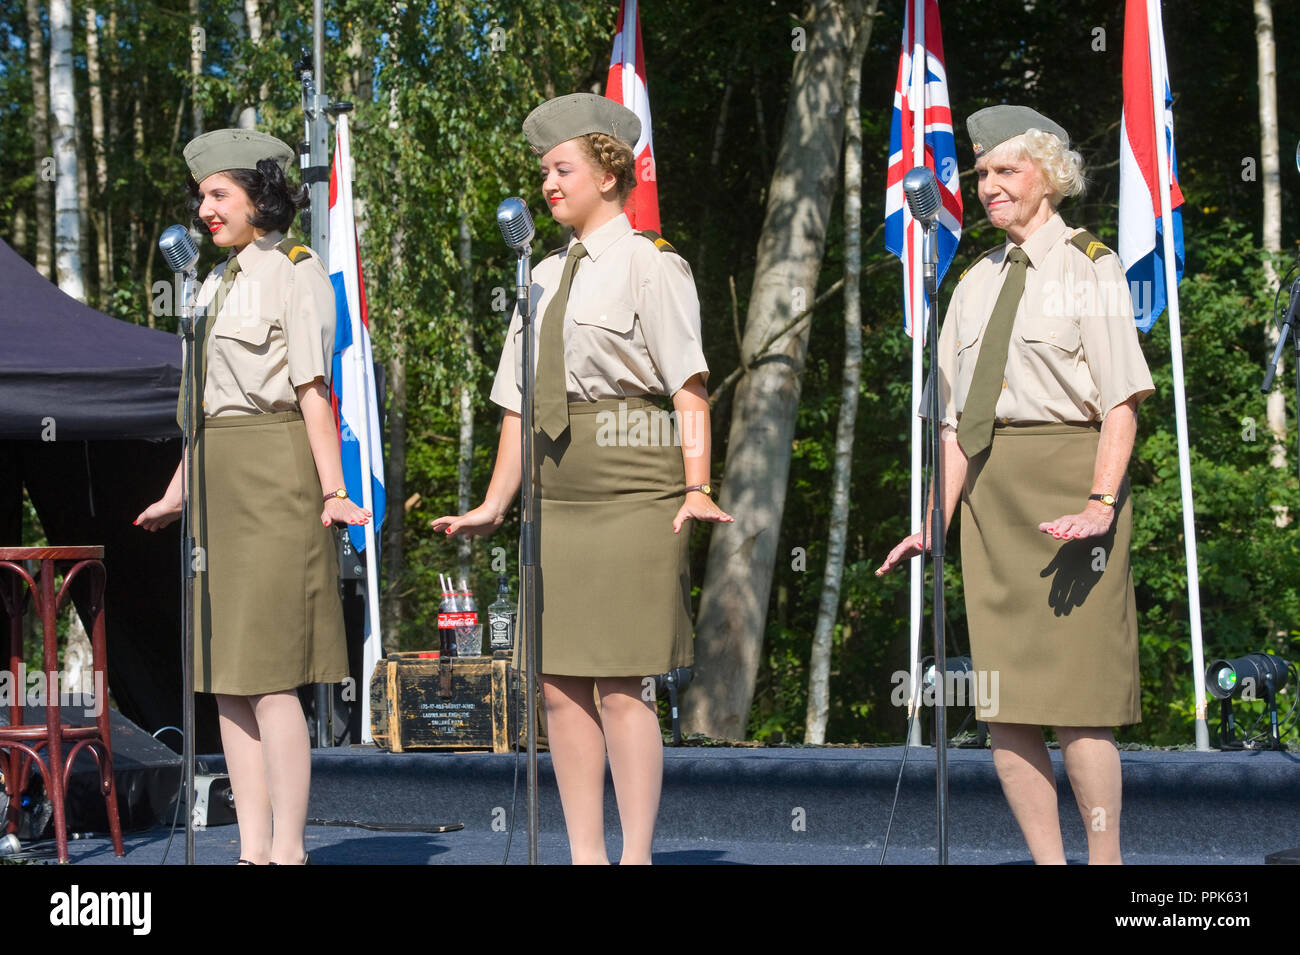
275	202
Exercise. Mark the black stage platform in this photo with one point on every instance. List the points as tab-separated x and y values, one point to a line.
749	805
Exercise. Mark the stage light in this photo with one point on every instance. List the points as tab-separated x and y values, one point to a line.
1253	676
1246	676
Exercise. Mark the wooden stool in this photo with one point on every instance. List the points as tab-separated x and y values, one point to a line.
21	745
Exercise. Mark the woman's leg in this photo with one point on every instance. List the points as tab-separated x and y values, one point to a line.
286	749
1092	762
242	743
578	757
636	761
1029	783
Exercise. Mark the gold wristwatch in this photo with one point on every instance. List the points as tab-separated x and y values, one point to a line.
706	488
341	494
1107	499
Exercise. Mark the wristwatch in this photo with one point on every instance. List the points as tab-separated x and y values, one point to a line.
341	494
1107	499
706	488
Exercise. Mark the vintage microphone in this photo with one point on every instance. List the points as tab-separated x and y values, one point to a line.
925	201
181	254
516	225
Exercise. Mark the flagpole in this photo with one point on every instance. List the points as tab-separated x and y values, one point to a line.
1155	49
917	299
372	648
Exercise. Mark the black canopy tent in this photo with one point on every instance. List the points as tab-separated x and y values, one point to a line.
87	425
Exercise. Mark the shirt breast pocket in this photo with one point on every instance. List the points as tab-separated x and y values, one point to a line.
615	319
252	334
1051	336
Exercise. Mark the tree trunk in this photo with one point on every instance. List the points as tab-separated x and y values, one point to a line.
465	456
98	209
738	578
63	102
41	140
820	660
393	601
196	68
250	22
1272	231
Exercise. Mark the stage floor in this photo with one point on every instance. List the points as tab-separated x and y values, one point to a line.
787	805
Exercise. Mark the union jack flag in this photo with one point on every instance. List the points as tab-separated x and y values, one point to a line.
922	51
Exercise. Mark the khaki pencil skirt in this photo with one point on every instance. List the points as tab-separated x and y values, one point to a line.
267	611
1053	624
614	587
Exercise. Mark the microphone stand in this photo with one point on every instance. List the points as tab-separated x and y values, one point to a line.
189	316
528	540
938	532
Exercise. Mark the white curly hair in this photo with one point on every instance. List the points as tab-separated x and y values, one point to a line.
1061	166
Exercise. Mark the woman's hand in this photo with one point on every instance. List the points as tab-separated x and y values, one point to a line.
1093	521
479	522
160	513
701	507
907	548
339	510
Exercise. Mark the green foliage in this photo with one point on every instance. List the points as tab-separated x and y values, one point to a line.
440	90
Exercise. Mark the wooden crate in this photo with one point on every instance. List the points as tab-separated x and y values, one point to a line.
418	702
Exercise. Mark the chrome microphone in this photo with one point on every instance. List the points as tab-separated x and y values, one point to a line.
516	223
923	197
178	248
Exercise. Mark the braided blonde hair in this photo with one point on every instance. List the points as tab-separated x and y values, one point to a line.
613	156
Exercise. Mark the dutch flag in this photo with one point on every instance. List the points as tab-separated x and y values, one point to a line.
1141	243
355	404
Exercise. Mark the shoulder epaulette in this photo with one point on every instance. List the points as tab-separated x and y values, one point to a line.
983	255
294	249
1089	244
662	244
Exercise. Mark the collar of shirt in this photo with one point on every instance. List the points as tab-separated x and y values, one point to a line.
1038	244
601	239
257	252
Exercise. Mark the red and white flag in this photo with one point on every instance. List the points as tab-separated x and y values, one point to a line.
627	85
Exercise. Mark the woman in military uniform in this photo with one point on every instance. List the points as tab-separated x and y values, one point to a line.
1041	374
269	485
618	324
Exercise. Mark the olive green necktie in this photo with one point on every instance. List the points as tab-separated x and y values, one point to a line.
203	332
975	430
551	401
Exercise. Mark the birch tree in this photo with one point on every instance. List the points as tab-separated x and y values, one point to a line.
1272	227
40	127
738	577
67	231
828	611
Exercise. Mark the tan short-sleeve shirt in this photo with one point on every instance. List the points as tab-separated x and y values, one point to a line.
1074	352
632	326
275	331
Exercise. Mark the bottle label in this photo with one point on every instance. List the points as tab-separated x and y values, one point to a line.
449	621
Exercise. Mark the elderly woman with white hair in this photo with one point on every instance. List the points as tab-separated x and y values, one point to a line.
1040	375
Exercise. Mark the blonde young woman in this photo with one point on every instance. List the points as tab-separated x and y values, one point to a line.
619	329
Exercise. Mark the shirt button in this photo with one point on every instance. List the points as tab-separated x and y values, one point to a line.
1004	382
959	343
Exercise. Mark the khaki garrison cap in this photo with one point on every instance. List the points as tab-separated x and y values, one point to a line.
224	149
993	126
568	117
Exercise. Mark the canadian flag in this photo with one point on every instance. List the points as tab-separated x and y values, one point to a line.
627	85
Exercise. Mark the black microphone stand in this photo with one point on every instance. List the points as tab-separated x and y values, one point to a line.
528	540
188	318
938	532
